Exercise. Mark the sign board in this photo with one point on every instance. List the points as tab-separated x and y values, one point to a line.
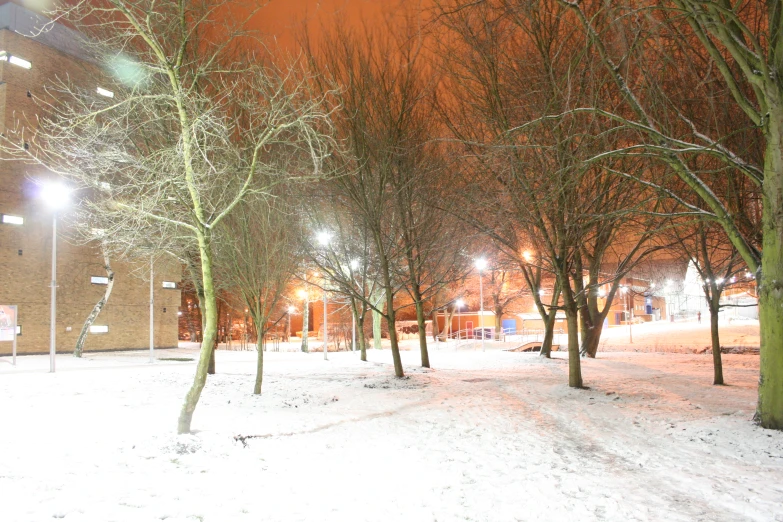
7	323
8	319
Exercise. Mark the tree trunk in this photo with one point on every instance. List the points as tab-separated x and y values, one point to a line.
574	362
211	369
549	334
395	349
208	339
425	356
376	329
549	322
769	412
716	355
259	364
360	337
498	321
305	325
391	319
96	310
435	329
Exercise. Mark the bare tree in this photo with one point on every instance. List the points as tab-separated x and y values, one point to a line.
741	42
382	118
192	123
96	310
257	257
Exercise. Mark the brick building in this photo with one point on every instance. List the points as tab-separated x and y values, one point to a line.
27	63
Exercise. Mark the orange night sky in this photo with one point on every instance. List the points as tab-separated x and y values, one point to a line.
282	18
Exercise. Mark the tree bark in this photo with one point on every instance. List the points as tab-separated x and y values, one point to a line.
211	369
391	319
549	334
96	310
376	324
305	325
425	356
435	329
574	362
716	355
769	412
259	364
209	333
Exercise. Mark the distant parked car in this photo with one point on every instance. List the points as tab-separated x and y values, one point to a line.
486	332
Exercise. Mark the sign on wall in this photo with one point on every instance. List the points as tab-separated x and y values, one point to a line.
7	323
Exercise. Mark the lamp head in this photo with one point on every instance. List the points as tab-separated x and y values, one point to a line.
56	195
323	237
291	309
460	303
481	264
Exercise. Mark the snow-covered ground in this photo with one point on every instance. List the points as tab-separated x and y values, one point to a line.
493	436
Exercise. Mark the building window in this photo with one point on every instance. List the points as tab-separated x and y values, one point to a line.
18	329
13	220
105	92
19	62
96	329
99	280
169	284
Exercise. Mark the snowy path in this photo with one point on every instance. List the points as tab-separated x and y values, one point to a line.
485	436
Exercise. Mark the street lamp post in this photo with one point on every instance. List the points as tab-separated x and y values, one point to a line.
481	264
324	238
56	197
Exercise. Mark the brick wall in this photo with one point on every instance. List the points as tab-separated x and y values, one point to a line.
25	251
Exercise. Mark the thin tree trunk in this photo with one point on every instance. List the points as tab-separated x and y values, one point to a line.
549	334
361	339
549	324
716	355
435	329
96	310
498	320
395	349
376	327
425	356
391	320
208	340
376	330
305	325
211	369
574	362
259	365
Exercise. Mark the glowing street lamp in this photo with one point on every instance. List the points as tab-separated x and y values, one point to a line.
56	196
481	264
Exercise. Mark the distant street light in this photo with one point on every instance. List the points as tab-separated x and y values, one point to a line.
56	196
481	264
